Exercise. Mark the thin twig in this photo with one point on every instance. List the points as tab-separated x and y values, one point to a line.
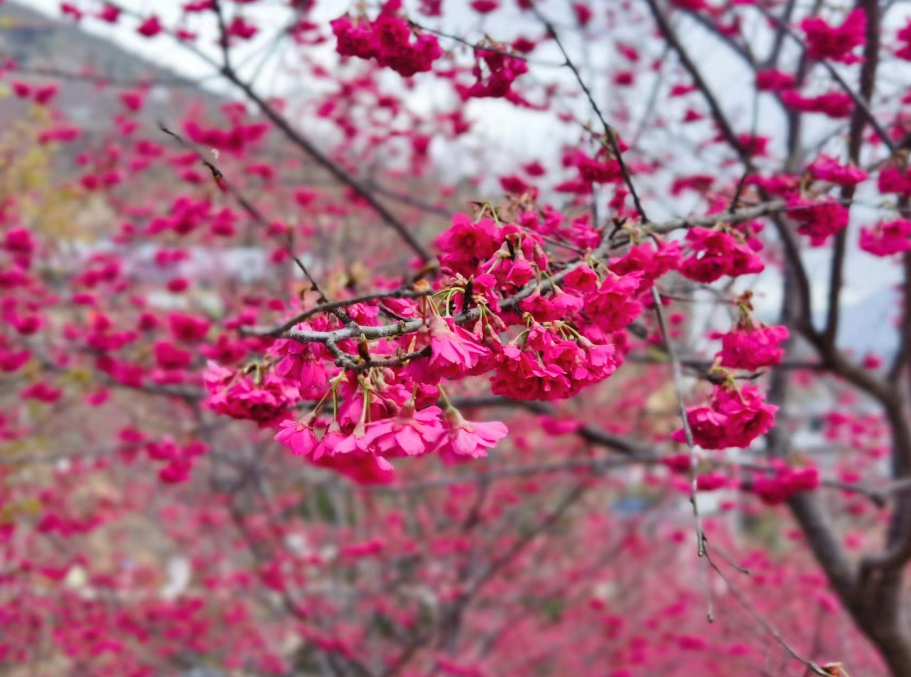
609	133
677	374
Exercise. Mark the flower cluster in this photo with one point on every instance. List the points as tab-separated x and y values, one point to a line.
887	238
778	488
752	347
903	37
361	449
178	460
388	41
734	417
542	365
264	399
818	220
774	81
495	72
501	309
835	105
894	179
828	169
836	43
714	253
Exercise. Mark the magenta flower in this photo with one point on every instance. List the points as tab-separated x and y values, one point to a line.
464	440
753	348
452	348
409	434
887	239
709	428
298	436
836	43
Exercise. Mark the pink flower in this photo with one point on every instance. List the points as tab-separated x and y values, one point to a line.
298	436
367	469
904	37
177	470
332	438
41	392
150	27
453	351
494	81
753	348
387	40
581	279
817	220
109	13
238	397
614	306
133	101
301	364
778	488
170	357
716	253
690	5
464	245
709	428
188	328
484	6
828	169
43	95
893	180
837	43
355	442
886	239
774	81
651	261
409	434
239	28
835	105
748	415
463	440
525	375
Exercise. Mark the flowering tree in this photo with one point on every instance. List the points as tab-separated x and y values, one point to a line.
474	433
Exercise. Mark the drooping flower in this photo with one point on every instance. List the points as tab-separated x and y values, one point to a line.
388	41
648	259
301	364
237	396
828	169
453	351
298	436
819	220
150	27
734	417
524	375
709	428
774	81
753	347
410	433
836	43
464	245
835	105
614	305
748	414
716	253
887	238
778	488
462	440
